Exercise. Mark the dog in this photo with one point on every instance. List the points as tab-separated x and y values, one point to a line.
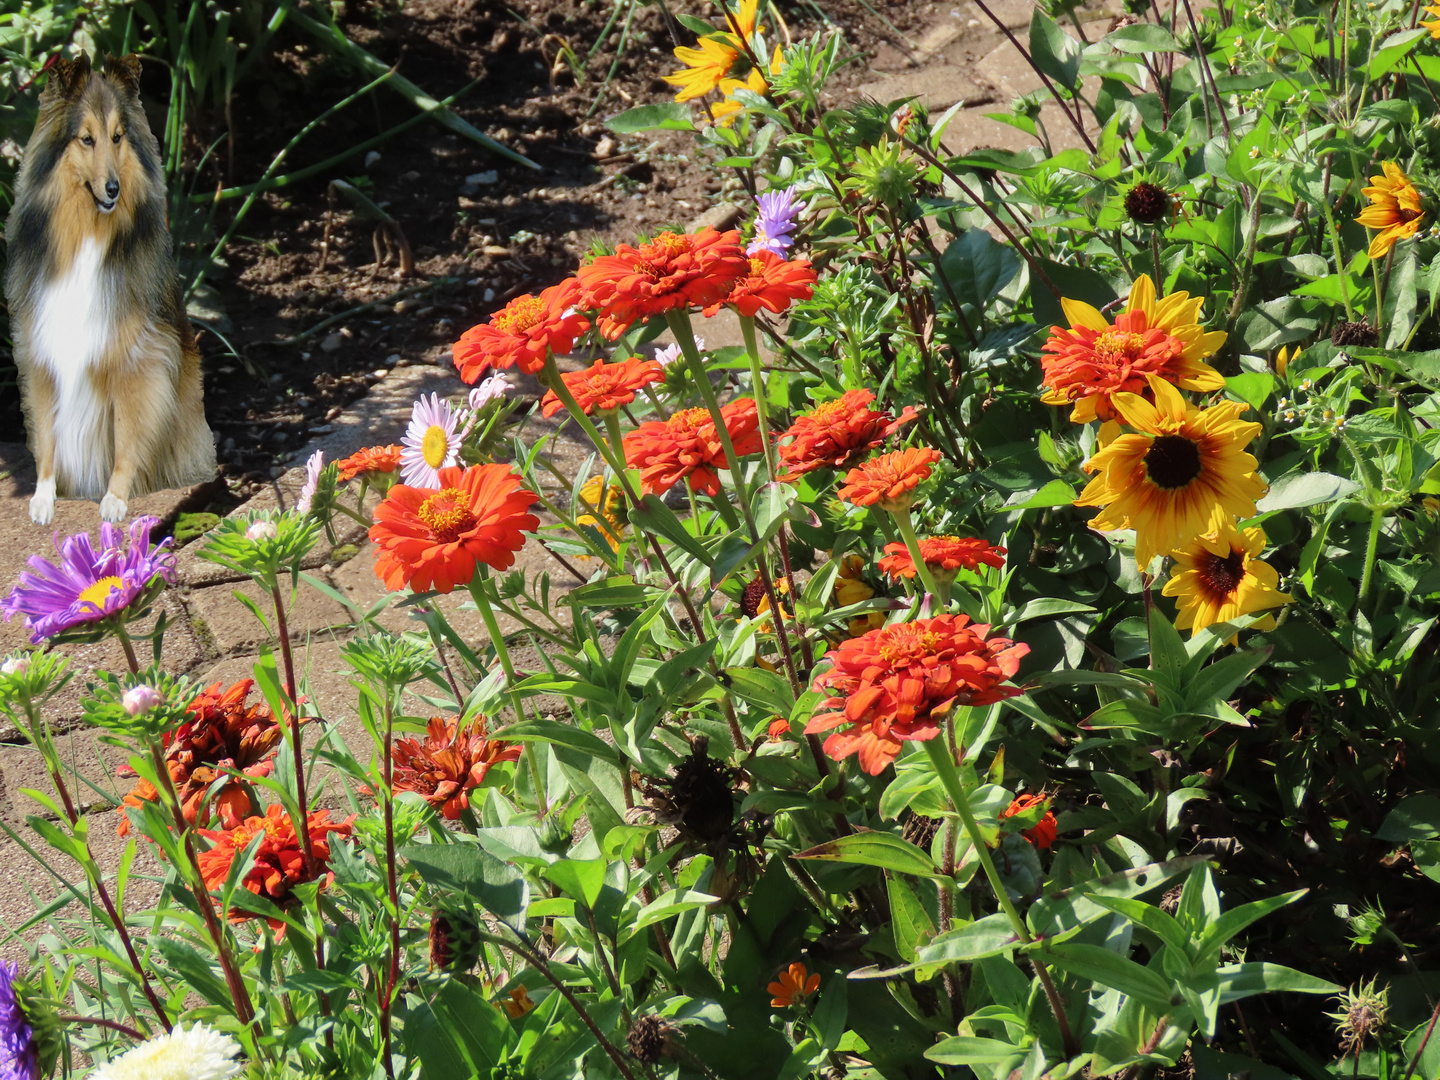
109	371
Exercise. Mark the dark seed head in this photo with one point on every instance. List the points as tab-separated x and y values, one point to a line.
698	798
1222	576
1360	333
751	597
1147	203
1172	462
649	1038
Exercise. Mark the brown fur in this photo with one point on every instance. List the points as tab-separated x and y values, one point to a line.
128	380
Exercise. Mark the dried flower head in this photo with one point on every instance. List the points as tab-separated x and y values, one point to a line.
1147	203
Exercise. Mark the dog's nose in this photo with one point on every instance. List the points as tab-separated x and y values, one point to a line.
112	188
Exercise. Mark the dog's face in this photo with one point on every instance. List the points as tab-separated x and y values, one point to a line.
94	113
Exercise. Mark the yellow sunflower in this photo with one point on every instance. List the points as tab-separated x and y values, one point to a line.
1181	473
708	66
1092	361
1219	577
723	113
1433	25
1394	209
610	522
851	588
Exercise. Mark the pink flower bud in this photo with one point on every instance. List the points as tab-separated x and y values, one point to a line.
15	665
261	530
140	699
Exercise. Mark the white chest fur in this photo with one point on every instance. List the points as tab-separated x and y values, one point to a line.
74	327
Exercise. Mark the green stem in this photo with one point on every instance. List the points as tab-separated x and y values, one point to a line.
502	653
1340	266
129	648
1377	519
757	379
912	544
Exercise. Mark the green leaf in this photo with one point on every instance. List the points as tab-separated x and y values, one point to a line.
1245	980
977	267
668	114
1056	493
989	936
874	849
654	516
552	731
912	924
1113	970
668	906
970	1050
1151	918
194	968
1054	52
1417	817
1068	908
470	870
581	878
1074	282
1142	38
1252	387
766	690
1232	922
1305	489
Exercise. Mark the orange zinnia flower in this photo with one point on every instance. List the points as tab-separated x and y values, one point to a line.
896	683
605	386
1394	209
221	733
449	764
771	283
834	434
944	555
1043	833
792	986
522	332
1091	361
369	461
688	445
674	270
888	480
279	859
432	539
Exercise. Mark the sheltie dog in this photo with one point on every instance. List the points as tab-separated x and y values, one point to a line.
109	372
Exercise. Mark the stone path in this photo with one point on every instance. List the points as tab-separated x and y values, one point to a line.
211	637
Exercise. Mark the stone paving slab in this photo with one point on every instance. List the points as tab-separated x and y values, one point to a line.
81	750
233	629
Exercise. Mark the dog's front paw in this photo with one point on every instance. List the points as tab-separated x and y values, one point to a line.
112	507
42	505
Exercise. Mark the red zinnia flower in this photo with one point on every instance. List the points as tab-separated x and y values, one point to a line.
432	539
605	386
223	732
832	435
895	683
943	555
771	283
688	445
1043	833
279	860
521	332
449	764
370	460
887	481
672	271
792	986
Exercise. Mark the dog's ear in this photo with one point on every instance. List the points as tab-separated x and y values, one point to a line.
125	71
68	77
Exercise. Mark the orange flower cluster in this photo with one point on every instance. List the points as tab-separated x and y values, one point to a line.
433	538
522	332
688	445
792	986
771	283
370	461
279	859
675	270
605	386
223	732
944	555
1043	833
834	434
888	480
895	683
449	763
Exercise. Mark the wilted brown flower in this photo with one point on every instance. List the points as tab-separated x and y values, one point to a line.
449	764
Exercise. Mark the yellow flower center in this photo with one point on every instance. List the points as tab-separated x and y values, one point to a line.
1222	576
757	268
447	514
98	593
1119	346
519	315
434	446
1172	462
689	419
902	644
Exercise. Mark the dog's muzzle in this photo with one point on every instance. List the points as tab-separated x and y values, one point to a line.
112	196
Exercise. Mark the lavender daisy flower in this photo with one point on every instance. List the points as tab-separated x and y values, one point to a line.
775	221
431	443
87	586
313	467
17	1038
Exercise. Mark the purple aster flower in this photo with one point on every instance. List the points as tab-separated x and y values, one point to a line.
17	1039
88	585
775	221
313	467
431	442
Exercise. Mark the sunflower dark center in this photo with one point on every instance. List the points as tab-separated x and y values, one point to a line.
1172	462
1222	576
1406	215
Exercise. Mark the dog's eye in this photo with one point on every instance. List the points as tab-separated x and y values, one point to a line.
87	140
116	137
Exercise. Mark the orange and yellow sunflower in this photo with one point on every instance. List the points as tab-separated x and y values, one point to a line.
1219	577
1394	209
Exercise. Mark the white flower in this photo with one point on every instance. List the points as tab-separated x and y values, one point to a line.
15	665
140	699
489	389
431	442
202	1053
670	353
261	530
313	468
